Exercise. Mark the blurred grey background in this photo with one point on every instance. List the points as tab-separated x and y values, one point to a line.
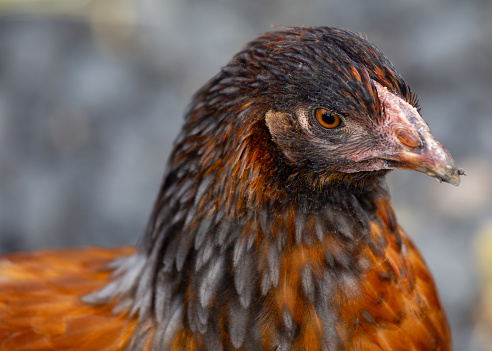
92	94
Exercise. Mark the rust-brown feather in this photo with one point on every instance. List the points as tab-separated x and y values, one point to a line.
41	306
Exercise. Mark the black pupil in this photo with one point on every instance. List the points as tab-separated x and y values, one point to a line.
328	118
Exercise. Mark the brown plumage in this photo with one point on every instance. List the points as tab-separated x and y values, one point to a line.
273	229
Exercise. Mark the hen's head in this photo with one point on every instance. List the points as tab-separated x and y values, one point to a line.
317	106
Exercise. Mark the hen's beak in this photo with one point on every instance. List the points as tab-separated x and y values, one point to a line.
430	158
411	145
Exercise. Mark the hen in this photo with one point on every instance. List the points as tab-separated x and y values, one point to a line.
273	229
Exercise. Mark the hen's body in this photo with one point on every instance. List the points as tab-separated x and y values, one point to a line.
273	229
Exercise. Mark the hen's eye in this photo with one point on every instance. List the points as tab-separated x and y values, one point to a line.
328	119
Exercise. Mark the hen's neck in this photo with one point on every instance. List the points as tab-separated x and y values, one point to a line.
206	258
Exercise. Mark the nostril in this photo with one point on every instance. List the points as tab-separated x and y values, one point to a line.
408	138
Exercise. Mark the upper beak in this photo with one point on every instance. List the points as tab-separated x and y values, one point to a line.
412	146
431	158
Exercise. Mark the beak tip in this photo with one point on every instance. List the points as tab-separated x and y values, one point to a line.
450	175
454	181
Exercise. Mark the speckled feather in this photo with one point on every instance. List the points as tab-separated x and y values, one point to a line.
265	236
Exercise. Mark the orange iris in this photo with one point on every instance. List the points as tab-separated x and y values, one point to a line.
328	119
